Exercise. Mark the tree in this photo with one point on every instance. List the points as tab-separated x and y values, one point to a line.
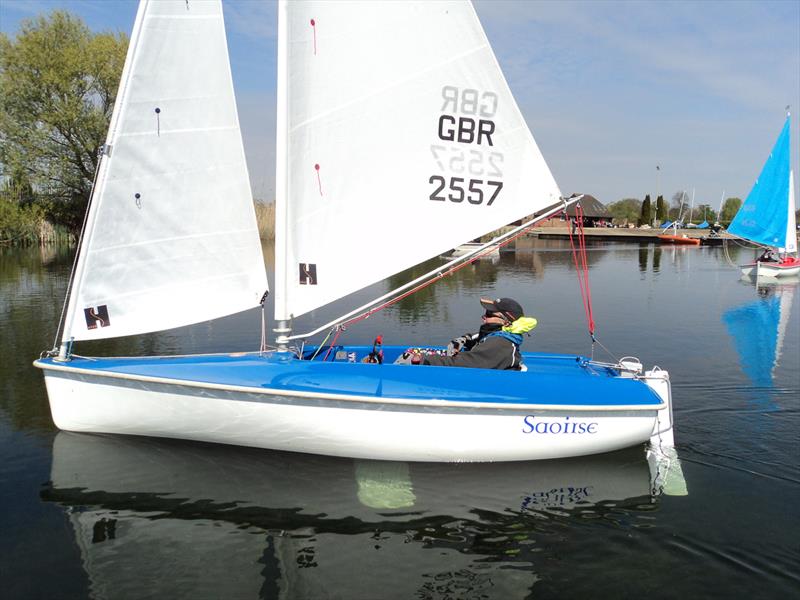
661	209
729	209
677	211
645	217
709	214
626	210
58	83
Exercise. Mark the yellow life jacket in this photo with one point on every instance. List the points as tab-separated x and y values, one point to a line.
521	325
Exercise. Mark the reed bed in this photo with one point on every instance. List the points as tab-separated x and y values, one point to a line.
265	217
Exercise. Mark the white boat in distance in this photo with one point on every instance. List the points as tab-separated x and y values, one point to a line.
171	239
767	217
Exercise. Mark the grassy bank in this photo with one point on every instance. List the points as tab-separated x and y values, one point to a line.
265	217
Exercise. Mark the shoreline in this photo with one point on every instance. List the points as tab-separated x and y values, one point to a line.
630	235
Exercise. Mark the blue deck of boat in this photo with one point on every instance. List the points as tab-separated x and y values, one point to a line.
551	379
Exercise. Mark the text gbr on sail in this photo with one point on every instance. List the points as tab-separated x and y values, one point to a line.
467	130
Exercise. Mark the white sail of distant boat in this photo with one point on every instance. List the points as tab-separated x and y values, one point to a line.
767	216
395	124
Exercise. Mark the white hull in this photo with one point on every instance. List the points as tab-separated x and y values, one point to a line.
769	270
341	426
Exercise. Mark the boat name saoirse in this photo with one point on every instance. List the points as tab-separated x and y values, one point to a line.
565	426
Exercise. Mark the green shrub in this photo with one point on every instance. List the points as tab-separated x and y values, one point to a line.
20	224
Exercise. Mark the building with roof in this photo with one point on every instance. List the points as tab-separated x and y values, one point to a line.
595	214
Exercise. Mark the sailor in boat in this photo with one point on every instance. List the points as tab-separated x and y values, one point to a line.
494	346
768	256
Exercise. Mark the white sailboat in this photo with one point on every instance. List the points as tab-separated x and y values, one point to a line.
392	115
767	217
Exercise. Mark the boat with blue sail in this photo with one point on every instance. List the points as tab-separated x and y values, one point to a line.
171	239
767	216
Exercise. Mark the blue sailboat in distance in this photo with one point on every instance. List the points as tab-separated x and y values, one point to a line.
767	216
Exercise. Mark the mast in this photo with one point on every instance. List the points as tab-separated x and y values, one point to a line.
790	246
282	319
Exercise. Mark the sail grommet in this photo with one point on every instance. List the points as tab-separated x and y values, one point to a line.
138	198
158	121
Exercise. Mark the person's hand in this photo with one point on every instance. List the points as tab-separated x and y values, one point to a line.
457	345
412	356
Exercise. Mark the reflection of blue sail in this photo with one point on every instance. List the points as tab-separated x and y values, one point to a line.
757	329
754	329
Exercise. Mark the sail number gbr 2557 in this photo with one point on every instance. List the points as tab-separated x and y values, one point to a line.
458	189
469	164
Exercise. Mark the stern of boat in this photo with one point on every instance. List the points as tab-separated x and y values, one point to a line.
666	473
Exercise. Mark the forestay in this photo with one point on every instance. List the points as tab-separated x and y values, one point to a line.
171	236
398	139
767	215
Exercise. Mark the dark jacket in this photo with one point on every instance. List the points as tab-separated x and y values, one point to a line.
492	352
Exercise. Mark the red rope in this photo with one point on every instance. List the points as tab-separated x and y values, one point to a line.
450	271
579	255
333	343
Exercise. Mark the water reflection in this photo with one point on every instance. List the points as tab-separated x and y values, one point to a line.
31	297
428	300
644	255
758	329
284	525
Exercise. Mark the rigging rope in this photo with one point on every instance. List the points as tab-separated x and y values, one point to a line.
579	255
582	267
368	313
748	246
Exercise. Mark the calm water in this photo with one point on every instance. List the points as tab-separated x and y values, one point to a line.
114	517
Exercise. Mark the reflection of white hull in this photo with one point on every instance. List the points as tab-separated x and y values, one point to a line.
335	487
762	269
192	520
333	427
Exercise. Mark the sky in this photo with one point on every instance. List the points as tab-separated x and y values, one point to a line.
610	89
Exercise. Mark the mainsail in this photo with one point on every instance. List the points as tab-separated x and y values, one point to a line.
767	215
171	237
398	139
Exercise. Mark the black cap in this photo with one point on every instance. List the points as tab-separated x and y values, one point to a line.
507	306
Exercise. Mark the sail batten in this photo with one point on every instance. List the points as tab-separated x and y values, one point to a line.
172	217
